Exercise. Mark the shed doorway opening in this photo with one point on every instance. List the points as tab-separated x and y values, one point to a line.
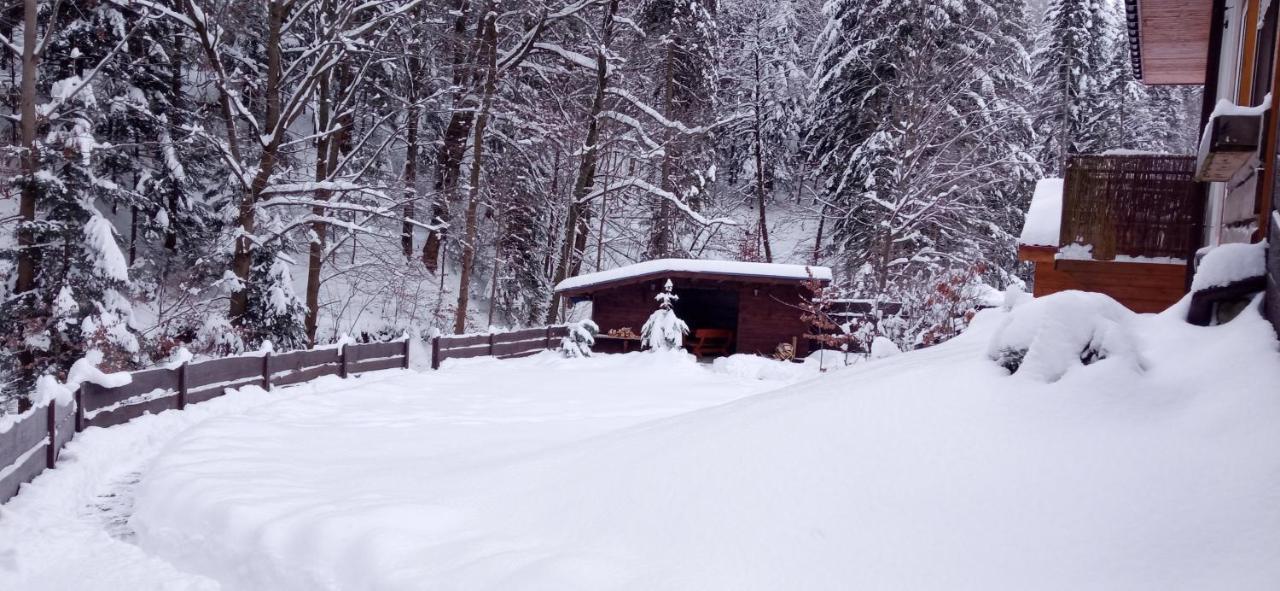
712	309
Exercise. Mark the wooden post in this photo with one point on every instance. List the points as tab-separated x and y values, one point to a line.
405	365
491	344
548	346
182	386
266	371
342	361
435	352
51	451
80	408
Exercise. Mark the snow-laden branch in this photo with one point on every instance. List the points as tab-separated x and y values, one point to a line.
676	125
657	191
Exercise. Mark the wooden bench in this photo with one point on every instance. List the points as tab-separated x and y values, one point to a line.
707	341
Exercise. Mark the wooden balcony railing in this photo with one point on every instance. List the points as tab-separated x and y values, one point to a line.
1133	206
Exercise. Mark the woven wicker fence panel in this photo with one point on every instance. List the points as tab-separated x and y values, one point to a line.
1137	206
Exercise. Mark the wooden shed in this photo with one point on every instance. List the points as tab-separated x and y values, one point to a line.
758	302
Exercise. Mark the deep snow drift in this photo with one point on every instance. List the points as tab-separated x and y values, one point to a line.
929	470
1127	452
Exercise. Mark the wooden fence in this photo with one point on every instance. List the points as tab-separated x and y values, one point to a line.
32	445
1133	205
505	345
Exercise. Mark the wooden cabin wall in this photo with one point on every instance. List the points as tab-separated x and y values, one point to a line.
767	316
1141	287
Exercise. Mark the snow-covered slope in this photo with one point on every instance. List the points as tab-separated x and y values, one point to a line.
929	470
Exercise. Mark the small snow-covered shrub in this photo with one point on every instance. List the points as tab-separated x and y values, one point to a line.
1046	337
664	331
882	347
581	337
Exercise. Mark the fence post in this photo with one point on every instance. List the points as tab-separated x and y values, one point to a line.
51	452
182	386
406	353
435	352
548	346
80	408
491	344
342	361
266	371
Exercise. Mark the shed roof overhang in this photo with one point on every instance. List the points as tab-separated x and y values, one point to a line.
701	270
1169	40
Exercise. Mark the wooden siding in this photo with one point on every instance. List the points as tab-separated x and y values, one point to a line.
1174	38
1273	272
1141	287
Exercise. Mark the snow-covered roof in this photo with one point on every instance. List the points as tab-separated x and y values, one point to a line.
660	266
1044	217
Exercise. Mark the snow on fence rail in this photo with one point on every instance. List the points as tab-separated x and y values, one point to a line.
506	345
33	443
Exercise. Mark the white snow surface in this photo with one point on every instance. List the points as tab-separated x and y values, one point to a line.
1228	263
1044	216
932	469
658	266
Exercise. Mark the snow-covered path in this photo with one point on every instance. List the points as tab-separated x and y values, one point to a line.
70	529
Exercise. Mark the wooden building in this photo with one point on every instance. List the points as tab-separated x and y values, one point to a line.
1133	225
757	303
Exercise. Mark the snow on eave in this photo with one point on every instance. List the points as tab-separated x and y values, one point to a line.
719	268
1044	216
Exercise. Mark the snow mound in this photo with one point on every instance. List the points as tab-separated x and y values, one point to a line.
755	367
882	347
1228	263
1047	337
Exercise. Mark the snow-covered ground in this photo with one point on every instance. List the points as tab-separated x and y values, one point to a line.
1156	466
71	528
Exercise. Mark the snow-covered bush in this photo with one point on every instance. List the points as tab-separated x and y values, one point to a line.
882	347
924	309
664	331
581	337
1046	337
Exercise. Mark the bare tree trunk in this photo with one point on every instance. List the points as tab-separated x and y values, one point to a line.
31	158
242	260
27	252
759	149
817	241
576	223
490	53
453	143
410	177
660	242
319	229
493	289
174	201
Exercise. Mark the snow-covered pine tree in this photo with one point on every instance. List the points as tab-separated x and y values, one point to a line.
78	297
581	337
664	331
919	133
1073	48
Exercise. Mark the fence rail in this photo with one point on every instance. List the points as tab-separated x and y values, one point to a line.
32	445
503	345
1133	205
